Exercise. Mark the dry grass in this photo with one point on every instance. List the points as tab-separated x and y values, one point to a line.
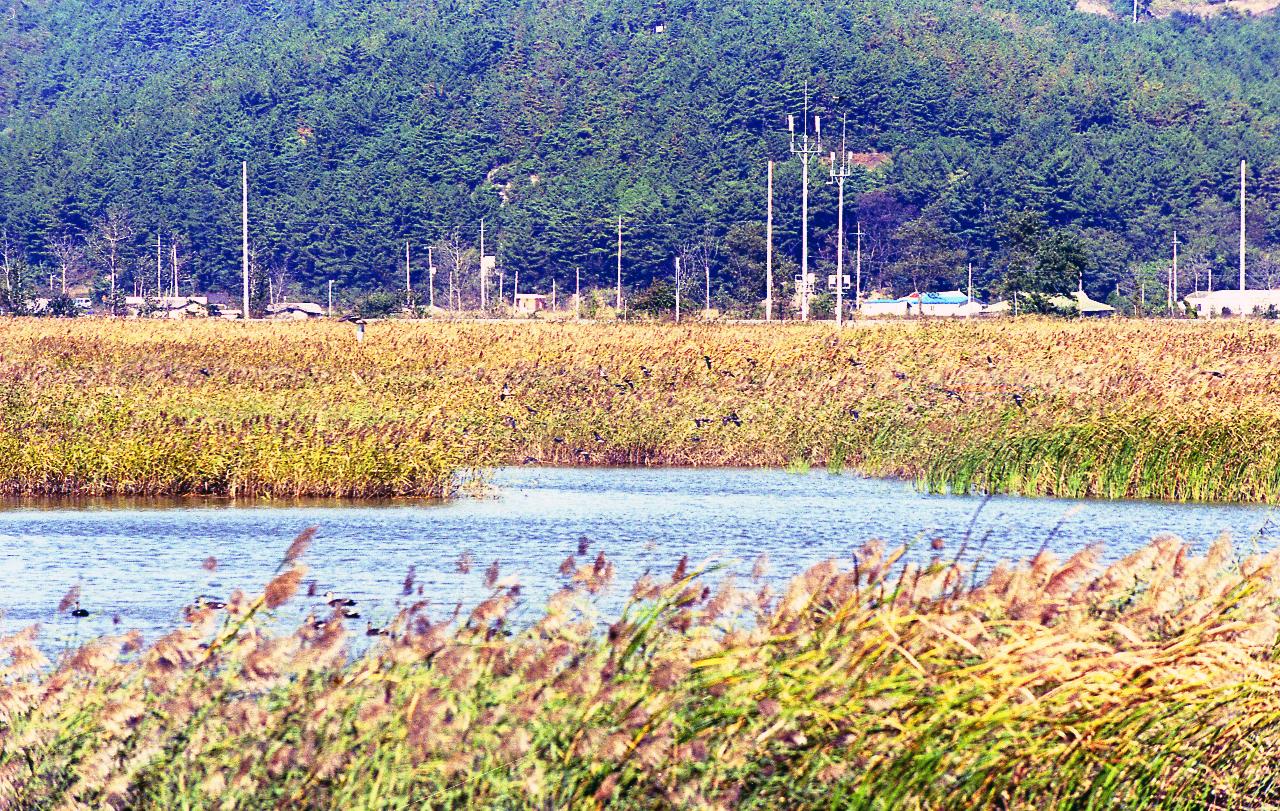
1151	683
1118	409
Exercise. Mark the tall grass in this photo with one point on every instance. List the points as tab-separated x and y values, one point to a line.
1149	683
1119	409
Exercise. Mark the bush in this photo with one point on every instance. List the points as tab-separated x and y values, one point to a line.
656	299
378	305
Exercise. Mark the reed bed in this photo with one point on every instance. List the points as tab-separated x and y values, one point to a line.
863	683
1182	411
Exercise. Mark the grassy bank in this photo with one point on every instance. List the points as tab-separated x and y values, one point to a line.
1120	409
1148	684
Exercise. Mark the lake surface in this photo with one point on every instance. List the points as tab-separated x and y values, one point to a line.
140	562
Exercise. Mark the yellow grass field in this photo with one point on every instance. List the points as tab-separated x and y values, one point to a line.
1116	409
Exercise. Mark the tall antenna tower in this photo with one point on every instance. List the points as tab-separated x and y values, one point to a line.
808	147
841	170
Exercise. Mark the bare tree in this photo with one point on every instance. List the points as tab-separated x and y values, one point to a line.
459	259
702	254
278	279
686	269
16	283
9	258
69	254
178	262
110	235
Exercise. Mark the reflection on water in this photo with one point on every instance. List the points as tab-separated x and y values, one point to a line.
139	560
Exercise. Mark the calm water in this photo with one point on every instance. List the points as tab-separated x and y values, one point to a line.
140	562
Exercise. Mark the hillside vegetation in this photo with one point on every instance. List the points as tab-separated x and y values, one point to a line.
369	123
1122	409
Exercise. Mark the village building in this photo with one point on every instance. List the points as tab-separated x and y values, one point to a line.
294	310
948	303
1080	303
530	303
1232	303
166	306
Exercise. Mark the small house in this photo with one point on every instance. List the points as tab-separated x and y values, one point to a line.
1080	303
294	310
166	306
1233	303
949	303
530	303
881	307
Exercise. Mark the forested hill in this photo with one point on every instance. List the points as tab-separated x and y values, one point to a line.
369	123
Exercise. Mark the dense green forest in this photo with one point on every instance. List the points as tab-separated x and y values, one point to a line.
988	131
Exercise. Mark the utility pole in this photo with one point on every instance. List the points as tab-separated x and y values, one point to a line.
577	294
768	252
970	293
1135	12
618	305
431	276
483	267
1175	267
806	150
677	290
331	298
408	285
857	290
173	249
1242	168
706	267
515	290
841	170
244	231
157	264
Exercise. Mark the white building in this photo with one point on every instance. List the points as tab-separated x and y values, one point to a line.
295	310
166	306
949	304
1231	303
